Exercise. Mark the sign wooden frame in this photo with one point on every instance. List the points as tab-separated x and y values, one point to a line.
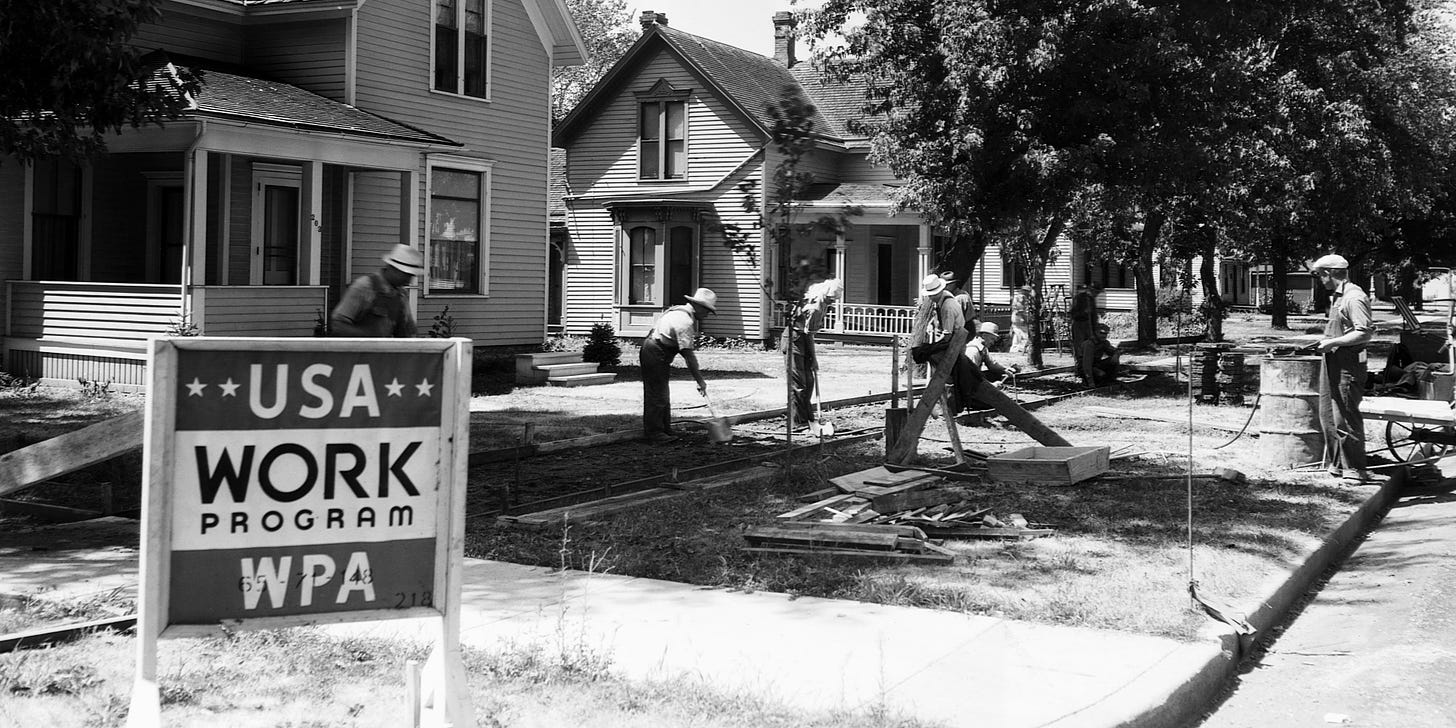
443	699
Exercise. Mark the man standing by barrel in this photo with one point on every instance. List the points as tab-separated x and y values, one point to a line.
1342	378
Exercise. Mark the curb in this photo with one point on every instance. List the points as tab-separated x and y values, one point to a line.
1189	700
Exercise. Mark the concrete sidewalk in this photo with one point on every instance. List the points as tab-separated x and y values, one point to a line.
816	654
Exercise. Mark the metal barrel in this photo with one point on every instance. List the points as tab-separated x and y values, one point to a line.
1289	425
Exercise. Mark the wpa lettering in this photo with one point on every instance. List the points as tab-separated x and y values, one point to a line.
275	579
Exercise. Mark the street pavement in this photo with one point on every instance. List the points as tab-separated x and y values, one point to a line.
1375	645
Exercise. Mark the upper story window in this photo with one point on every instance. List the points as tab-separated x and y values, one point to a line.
459	247
462	44
662	132
1109	274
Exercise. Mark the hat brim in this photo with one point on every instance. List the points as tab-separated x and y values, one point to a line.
935	290
711	308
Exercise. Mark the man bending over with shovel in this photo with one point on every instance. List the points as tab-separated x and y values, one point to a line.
804	369
673	334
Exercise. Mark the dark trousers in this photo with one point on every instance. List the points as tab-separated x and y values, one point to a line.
655	359
804	367
1342	384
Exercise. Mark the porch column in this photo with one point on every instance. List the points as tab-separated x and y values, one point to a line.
922	258
194	252
310	222
841	249
409	227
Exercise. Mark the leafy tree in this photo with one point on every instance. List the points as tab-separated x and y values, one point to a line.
71	78
608	30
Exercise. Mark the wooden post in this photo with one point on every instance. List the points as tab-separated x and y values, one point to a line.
789	379
950	427
906	445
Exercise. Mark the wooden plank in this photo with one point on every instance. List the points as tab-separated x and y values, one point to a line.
70	452
840	537
909	442
880	475
1134	415
814	496
1017	416
931	558
800	512
907	531
907	500
46	511
45	636
989	532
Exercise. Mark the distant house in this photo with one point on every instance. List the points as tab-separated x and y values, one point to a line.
658	154
324	134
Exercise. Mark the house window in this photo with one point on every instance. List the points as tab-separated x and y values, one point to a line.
458	243
462	58
1109	274
1013	275
56	221
662	143
642	266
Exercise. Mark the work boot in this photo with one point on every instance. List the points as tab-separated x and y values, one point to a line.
1355	477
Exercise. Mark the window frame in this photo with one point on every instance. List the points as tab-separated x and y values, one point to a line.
662	222
488	14
1104	269
471	166
661	95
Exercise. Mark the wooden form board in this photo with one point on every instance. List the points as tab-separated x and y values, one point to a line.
70	452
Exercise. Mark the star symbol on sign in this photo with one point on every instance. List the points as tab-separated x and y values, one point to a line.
424	388
394	388
229	388
195	388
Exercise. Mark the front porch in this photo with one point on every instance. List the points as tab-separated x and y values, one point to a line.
874	322
60	332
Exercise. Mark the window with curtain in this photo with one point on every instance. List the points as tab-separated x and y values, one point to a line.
462	32
662	140
456	206
642	265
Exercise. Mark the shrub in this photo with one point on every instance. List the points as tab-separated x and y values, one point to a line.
1173	302
443	326
602	347
1292	307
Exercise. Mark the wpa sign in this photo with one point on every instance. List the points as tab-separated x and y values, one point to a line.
299	481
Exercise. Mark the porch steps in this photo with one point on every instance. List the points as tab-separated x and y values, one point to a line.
559	368
582	380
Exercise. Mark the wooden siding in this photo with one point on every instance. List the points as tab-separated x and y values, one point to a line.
240	223
375	223
61	368
511	130
308	54
856	167
12	225
259	310
194	32
100	314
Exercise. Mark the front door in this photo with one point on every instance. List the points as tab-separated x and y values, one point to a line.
276	193
659	261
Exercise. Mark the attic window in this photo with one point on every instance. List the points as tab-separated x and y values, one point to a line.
662	139
462	58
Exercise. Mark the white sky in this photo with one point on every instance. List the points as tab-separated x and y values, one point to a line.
747	24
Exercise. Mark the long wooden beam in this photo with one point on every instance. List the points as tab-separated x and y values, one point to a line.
905	447
70	452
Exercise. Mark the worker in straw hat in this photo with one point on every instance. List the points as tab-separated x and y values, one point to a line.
375	305
674	333
1342	378
980	365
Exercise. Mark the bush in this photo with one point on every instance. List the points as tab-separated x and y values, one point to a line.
1172	303
602	347
1292	307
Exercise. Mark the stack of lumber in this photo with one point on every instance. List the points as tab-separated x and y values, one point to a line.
884	513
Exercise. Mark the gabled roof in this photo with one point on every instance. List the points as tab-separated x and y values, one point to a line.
745	80
232	94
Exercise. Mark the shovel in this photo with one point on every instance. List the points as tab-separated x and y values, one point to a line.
719	430
819	427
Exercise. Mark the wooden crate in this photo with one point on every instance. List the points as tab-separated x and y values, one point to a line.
1040	465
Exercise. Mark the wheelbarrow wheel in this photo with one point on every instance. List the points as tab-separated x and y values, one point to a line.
1406	444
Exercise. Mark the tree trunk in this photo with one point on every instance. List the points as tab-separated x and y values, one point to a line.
1147	294
1213	326
1036	278
1278	288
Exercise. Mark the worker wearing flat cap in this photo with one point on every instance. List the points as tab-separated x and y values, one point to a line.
1342	378
375	305
979	363
673	334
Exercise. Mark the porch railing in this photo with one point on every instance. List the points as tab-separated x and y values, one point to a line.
871	319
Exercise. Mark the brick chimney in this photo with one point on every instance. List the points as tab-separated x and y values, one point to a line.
649	18
784	24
